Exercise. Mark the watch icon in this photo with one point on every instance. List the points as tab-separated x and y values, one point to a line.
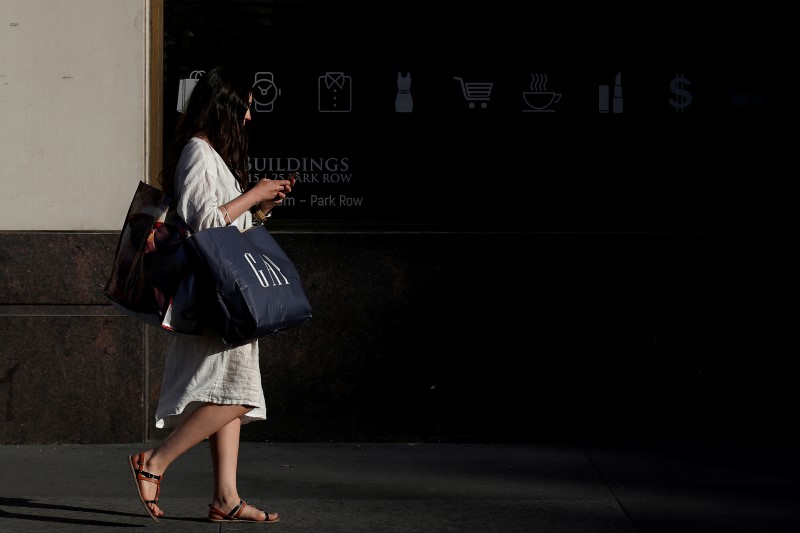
264	92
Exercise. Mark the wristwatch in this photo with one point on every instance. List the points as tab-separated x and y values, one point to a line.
259	217
264	92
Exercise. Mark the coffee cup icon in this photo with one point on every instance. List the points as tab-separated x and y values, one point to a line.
540	100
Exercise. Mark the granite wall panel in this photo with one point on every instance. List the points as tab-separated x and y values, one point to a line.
70	376
418	337
52	268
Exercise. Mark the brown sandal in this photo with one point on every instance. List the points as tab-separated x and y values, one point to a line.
136	464
215	515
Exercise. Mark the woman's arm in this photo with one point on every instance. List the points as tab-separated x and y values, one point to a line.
266	193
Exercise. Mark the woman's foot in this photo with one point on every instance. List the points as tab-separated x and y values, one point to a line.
221	511
148	482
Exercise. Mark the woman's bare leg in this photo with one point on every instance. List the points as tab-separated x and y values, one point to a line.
201	423
225	456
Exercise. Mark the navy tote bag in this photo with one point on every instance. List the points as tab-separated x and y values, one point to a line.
248	286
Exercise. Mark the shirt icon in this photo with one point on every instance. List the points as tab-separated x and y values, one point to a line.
334	93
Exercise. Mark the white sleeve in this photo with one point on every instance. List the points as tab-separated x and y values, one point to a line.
198	189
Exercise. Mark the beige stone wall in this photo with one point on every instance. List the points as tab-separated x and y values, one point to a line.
73	112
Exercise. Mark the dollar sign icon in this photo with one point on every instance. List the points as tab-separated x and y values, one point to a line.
682	97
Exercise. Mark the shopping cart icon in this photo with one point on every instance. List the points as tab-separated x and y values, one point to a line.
476	92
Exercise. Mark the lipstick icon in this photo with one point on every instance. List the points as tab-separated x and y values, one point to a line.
616	105
616	101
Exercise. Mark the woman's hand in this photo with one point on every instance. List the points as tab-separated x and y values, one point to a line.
273	192
266	193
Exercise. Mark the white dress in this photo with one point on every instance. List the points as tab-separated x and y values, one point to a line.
202	368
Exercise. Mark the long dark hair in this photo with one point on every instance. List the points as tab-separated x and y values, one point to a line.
216	111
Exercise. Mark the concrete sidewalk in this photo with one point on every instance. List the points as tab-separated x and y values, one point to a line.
418	487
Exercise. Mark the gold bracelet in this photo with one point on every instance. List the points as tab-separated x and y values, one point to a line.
226	216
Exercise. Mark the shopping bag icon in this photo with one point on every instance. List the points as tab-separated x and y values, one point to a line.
185	88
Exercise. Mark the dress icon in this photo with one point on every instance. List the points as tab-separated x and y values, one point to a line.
403	102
